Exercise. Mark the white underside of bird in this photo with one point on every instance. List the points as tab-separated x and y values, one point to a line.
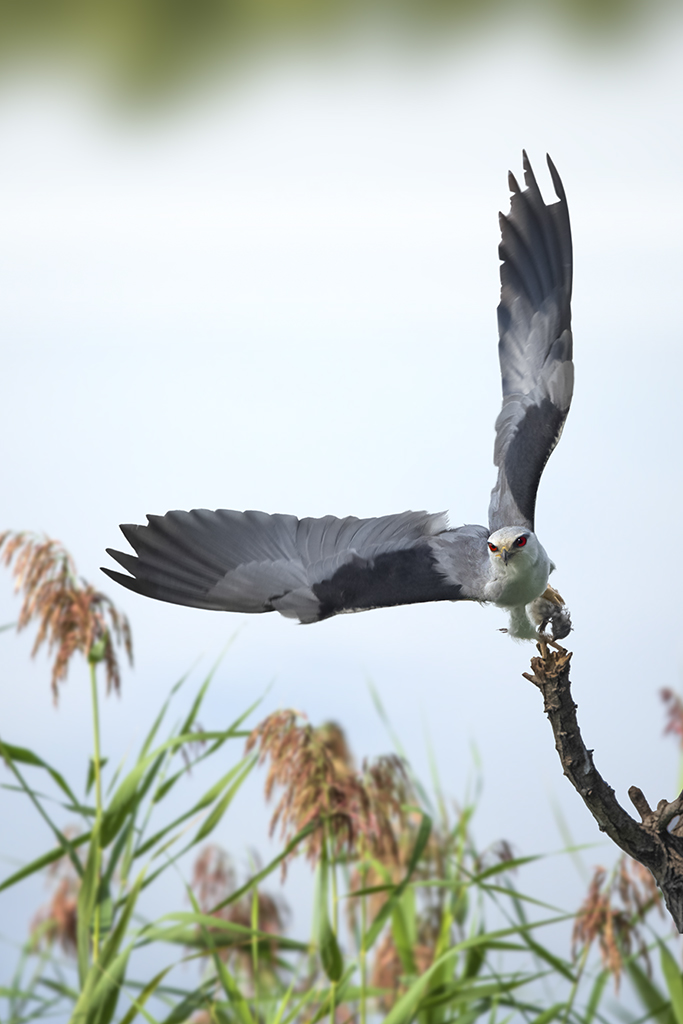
519	571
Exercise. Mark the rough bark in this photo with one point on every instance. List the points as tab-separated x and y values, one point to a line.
656	841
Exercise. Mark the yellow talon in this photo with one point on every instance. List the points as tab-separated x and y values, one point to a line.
552	595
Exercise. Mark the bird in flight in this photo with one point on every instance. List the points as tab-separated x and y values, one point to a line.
311	569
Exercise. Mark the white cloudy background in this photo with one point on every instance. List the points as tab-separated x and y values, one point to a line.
282	296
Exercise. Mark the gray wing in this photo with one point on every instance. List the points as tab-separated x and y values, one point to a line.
535	348
308	569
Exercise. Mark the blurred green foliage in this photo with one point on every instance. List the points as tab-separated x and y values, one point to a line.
150	48
411	921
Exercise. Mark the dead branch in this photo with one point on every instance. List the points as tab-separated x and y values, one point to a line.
657	840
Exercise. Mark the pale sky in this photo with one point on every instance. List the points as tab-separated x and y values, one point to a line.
283	297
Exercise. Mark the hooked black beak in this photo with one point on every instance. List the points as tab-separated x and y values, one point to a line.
505	555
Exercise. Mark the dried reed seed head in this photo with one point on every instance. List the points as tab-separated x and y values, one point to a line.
213	880
72	615
674	714
57	921
387	970
423	954
638	893
502	851
213	877
344	1014
617	928
595	920
358	811
333	738
271	913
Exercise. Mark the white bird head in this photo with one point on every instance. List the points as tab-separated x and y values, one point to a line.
512	542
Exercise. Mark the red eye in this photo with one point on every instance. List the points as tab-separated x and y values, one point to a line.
520	542
492	547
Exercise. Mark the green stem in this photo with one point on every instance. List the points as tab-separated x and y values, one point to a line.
363	952
335	899
254	947
575	986
98	804
333	872
67	847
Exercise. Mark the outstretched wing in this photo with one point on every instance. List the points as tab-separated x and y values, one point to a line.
308	569
535	349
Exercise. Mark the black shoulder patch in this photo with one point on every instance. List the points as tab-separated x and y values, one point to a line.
395	577
529	450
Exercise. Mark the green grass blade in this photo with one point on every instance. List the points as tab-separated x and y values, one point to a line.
595	996
461	994
674	981
558	965
156	724
405	1008
62	989
475	957
384	718
184	1010
111	946
387	909
117	854
284	1002
187	925
306	998
133	787
90	777
165	787
42	862
219	810
403	928
269	868
519	898
62	839
24	756
199	699
228	982
409	1003
328	947
502	867
550	1014
652	998
370	890
232	732
207	798
87	897
102	1001
327	995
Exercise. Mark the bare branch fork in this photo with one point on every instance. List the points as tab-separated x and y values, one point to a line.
657	840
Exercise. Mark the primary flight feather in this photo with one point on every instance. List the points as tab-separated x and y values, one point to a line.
311	569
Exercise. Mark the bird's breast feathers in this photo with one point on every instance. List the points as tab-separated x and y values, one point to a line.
521	580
